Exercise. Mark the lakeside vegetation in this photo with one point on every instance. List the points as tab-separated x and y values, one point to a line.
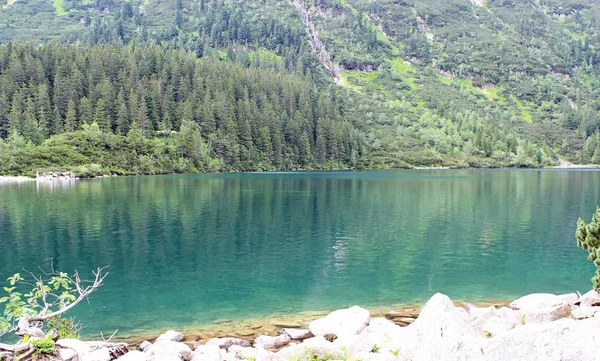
421	84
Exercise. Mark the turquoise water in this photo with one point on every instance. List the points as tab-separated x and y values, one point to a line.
191	249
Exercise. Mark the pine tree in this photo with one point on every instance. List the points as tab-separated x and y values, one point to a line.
588	238
71	117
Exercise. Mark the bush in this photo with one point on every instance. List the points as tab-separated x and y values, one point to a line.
588	238
44	346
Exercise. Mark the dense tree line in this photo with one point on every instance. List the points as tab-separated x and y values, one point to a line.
245	119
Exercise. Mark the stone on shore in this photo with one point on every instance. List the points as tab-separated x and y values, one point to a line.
297	333
585	312
315	346
168	351
145	345
592	298
78	346
273	342
440	333
207	353
134	356
495	321
226	342
541	307
170	336
98	355
350	321
563	340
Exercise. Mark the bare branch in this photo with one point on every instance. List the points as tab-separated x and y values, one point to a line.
83	293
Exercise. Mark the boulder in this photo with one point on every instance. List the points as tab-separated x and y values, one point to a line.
495	321
350	321
355	344
168	350
317	347
585	312
78	346
170	336
226	342
297	333
541	307
207	353
98	355
439	333
273	342
563	340
570	299
145	345
68	354
592	298
133	356
244	353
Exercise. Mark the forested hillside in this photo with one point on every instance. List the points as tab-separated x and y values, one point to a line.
184	86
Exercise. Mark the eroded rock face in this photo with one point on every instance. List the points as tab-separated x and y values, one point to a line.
541	307
170	336
440	333
226	342
350	321
168	350
563	340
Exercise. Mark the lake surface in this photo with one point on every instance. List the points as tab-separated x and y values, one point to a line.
194	248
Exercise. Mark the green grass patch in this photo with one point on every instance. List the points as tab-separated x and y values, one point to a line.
58	8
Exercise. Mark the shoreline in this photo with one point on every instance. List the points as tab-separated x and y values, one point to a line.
250	328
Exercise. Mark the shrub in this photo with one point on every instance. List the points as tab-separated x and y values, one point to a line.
44	346
588	238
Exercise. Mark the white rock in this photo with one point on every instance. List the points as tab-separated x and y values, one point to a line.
317	346
541	307
145	345
68	354
570	299
563	340
462	313
78	346
273	342
227	342
474	311
168	350
170	336
208	353
592	298
355	344
440	333
133	356
350	321
98	355
585	312
297	333
243	353
495	322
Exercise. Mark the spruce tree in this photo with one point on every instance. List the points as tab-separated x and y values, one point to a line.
588	238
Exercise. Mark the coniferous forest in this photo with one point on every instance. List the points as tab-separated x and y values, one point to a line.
146	87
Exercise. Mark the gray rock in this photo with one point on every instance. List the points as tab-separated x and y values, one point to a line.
350	321
98	355
592	298
440	333
563	340
243	353
297	333
134	356
208	353
585	312
541	307
68	354
226	342
168	350
145	345
273	342
355	344
78	346
170	336
570	299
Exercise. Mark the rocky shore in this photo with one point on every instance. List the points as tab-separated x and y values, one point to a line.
542	327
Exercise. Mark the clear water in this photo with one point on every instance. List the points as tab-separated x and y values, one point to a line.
190	249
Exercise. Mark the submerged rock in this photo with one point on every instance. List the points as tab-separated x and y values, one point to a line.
350	321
